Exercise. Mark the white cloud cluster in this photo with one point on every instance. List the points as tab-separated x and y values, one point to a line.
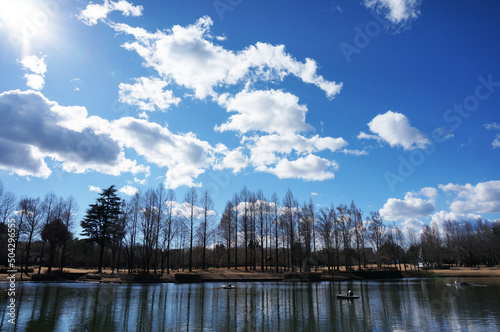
233	159
35	131
272	120
494	126
441	216
38	67
411	207
184	210
396	11
271	111
481	198
185	156
395	129
148	94
128	190
308	168
94	13
268	149
188	56
95	189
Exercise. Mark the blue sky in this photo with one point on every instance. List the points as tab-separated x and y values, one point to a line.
390	103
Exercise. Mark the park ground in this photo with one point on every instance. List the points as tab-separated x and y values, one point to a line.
223	274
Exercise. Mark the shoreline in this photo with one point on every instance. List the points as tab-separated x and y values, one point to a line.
225	276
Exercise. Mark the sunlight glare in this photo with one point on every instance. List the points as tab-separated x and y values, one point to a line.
25	21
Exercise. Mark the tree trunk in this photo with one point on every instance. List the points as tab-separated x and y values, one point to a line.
41	258
51	257
101	255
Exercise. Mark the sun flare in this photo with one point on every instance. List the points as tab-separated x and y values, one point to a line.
26	21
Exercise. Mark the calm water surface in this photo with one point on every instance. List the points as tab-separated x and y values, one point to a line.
406	305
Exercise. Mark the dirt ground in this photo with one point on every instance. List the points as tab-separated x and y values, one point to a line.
241	274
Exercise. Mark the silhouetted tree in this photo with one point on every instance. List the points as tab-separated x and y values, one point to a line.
100	218
56	233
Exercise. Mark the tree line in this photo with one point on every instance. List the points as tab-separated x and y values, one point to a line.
151	232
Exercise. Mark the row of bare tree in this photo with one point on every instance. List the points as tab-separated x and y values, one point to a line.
153	232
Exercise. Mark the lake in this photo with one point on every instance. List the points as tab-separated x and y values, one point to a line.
402	305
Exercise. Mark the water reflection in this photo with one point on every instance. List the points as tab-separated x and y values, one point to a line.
409	305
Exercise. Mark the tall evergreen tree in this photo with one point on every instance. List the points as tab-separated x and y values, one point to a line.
99	221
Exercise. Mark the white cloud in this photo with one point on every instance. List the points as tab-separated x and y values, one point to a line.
38	67
264	149
441	216
481	198
233	159
411	207
94	13
496	142
36	130
185	156
430	192
35	64
395	129
148	94
140	181
396	11
271	111
188	56
128	190
184	210
363	135
95	189
354	152
308	168
314	194
34	81
412	225
492	126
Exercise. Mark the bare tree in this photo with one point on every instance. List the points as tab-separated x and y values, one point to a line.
49	209
148	226
306	226
431	243
68	209
290	214
226	229
399	240
377	233
7	206
274	207
133	215
208	215
245	220
191	199
357	222
326	224
236	203
160	201
345	223
31	209
262	208
170	224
